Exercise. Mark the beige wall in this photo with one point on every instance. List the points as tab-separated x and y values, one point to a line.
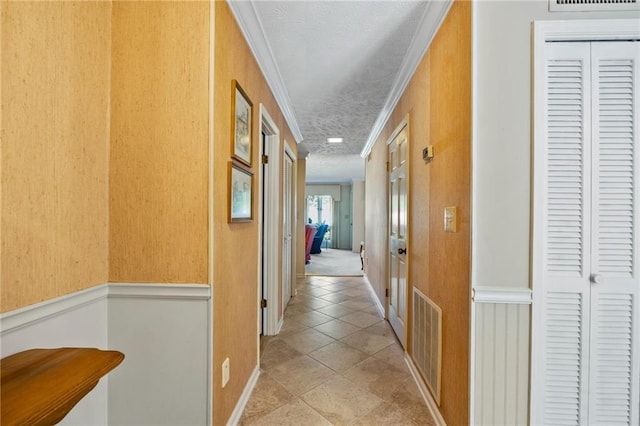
159	142
438	103
376	218
236	281
55	149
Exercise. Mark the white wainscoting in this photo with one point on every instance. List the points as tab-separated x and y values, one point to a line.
75	320
162	329
163	332
501	356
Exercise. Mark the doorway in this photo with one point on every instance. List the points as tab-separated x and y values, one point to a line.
269	256
288	189
397	254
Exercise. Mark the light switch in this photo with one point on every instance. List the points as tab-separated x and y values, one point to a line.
450	219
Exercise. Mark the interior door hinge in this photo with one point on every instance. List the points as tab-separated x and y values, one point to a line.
265	159
263	303
386	292
388	166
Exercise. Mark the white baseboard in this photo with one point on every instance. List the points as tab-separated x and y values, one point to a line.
375	296
428	399
236	416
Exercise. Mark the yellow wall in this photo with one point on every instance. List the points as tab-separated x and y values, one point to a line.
236	245
159	142
438	102
55	149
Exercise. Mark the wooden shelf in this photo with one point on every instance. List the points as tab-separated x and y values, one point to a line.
40	386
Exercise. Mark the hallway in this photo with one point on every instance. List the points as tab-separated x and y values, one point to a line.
335	361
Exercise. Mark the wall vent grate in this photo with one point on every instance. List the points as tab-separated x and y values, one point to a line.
592	5
426	350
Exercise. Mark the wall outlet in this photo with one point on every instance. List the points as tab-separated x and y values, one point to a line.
225	372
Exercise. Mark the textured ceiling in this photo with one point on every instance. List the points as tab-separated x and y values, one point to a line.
334	169
338	61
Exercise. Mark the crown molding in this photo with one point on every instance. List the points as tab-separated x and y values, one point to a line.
247	18
432	18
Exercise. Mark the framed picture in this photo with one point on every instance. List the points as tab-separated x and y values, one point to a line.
240	194
242	118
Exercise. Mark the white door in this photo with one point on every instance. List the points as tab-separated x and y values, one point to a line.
586	327
288	230
264	212
397	310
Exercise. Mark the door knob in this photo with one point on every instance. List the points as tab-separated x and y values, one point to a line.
402	251
596	278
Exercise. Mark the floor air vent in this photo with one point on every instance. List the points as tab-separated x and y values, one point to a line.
592	5
427	341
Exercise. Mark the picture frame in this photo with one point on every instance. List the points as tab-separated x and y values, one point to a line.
241	125
240	193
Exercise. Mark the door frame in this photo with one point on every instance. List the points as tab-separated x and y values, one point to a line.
269	232
404	124
211	211
543	32
288	152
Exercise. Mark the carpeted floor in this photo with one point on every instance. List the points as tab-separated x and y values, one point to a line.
335	262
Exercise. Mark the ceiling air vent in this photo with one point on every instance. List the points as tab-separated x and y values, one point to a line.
592	5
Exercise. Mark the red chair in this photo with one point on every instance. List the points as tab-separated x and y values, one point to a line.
309	233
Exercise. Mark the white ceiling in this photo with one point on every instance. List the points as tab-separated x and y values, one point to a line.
336	68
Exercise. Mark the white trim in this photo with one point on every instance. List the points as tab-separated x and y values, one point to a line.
426	395
159	291
474	203
28	315
432	18
211	204
583	30
272	225
377	302
22	317
253	31
288	152
236	415
512	295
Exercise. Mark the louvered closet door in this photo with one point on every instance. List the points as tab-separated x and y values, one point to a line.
590	331
565	216
614	380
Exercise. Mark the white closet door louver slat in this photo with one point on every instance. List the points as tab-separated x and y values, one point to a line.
563	367
614	171
566	234
614	381
612	351
565	157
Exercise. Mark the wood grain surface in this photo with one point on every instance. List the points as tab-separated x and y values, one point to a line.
40	386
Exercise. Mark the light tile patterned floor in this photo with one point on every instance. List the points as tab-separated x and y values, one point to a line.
335	362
